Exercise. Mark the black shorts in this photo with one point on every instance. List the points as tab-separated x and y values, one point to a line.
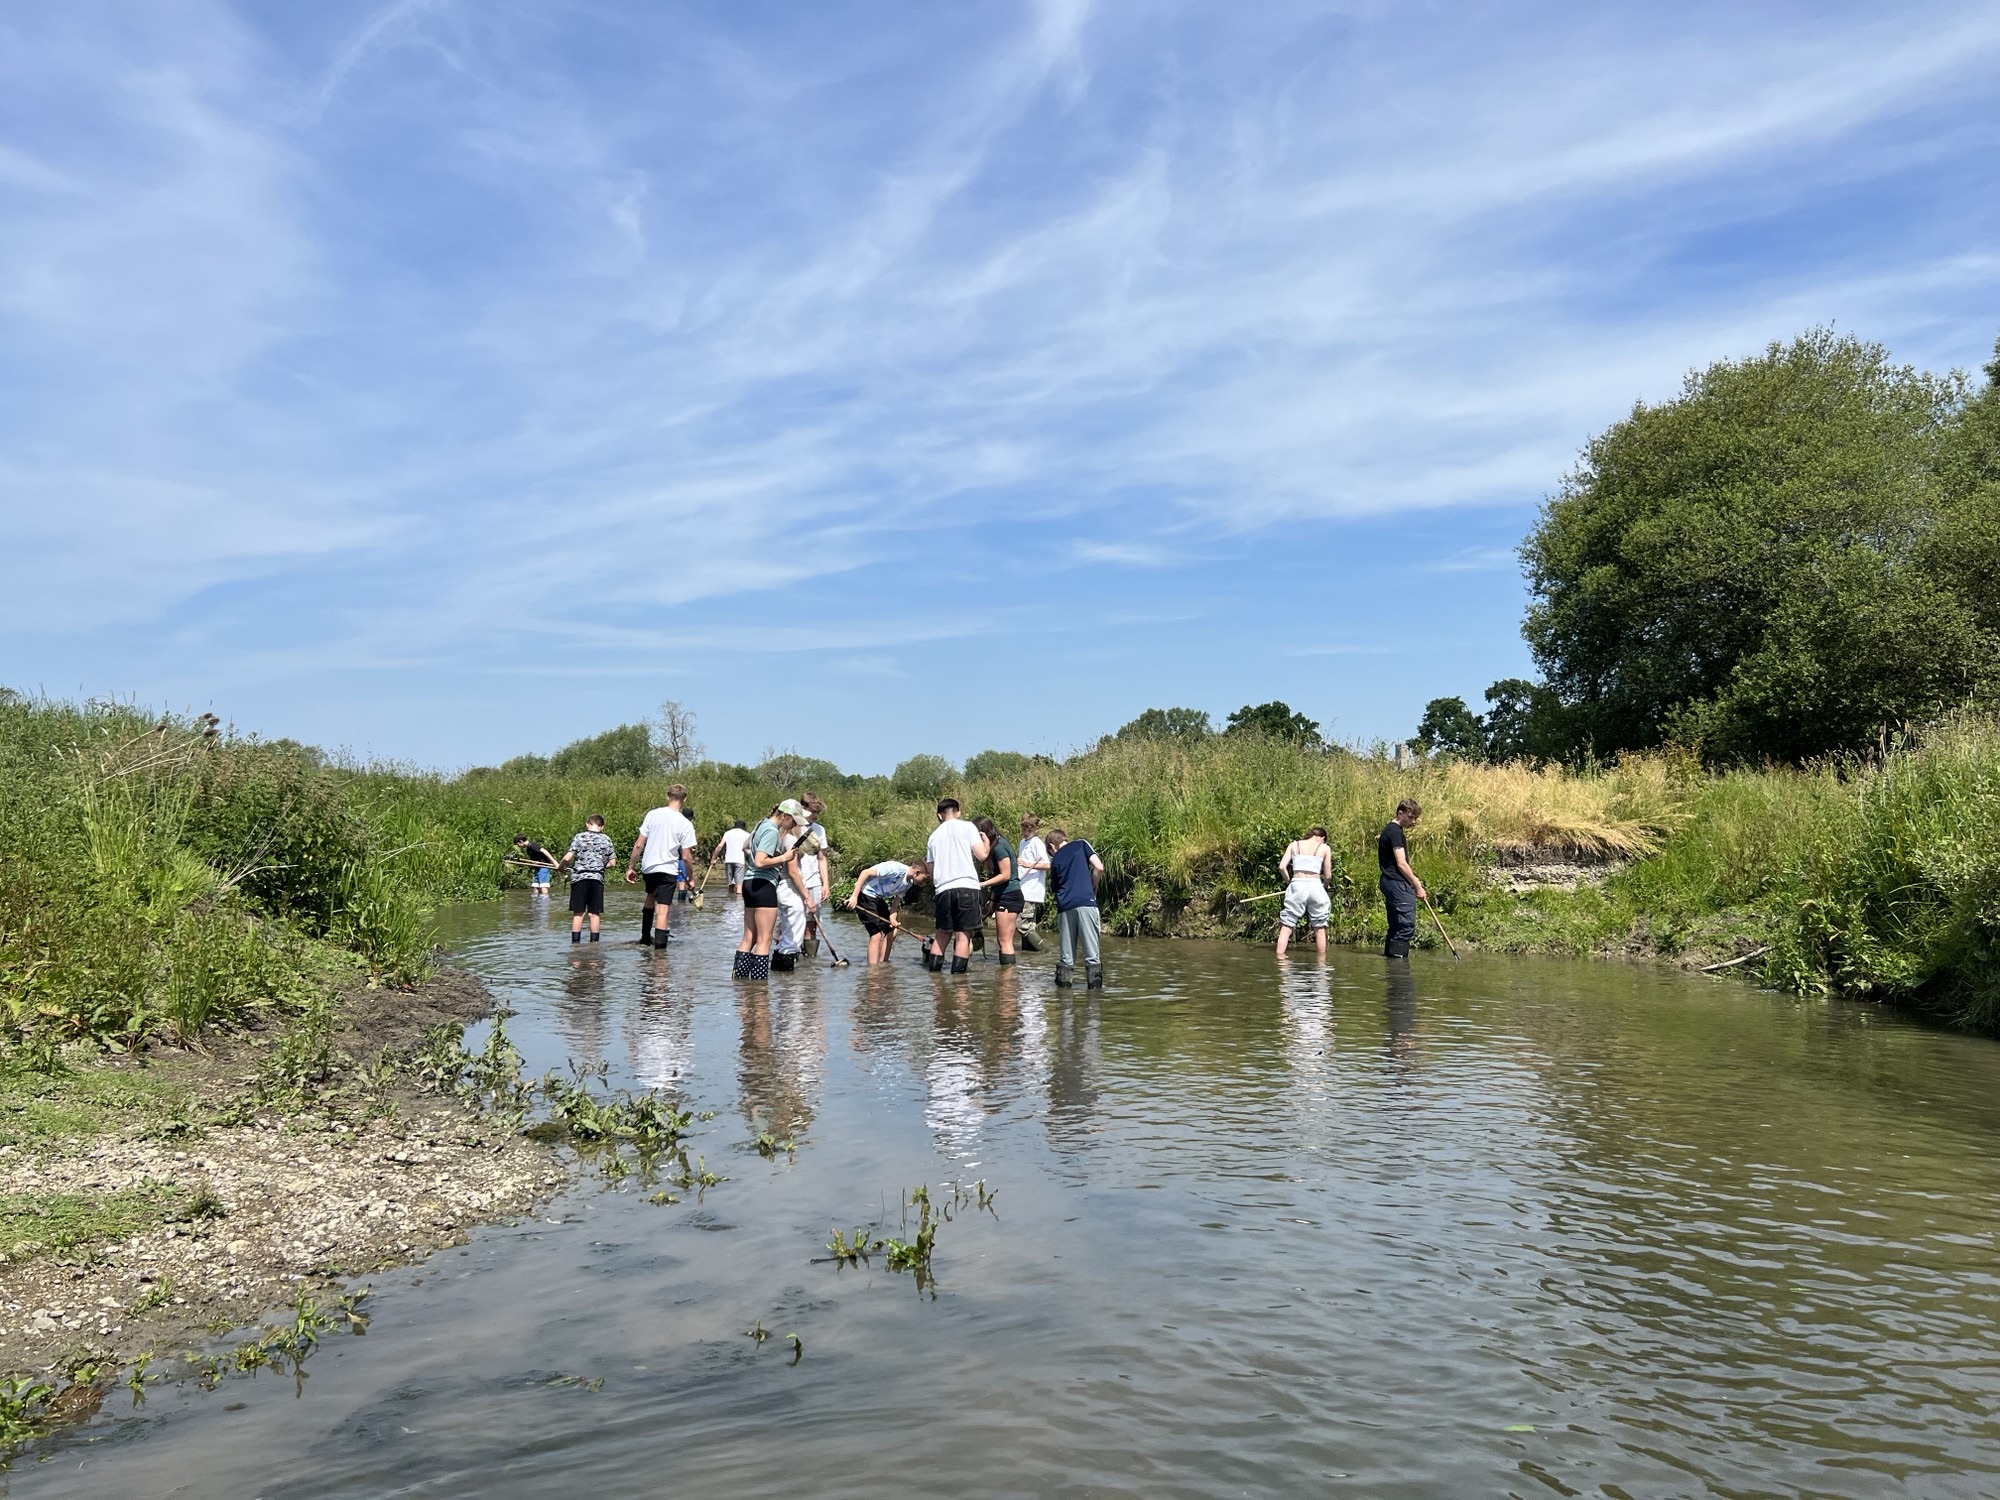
959	911
661	880
1009	901
760	894
874	914
586	896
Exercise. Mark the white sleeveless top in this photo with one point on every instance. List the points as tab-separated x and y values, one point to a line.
1307	866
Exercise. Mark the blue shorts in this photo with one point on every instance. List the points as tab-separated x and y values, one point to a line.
540	877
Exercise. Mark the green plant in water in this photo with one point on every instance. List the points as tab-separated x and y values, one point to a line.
768	1146
758	1331
24	1408
852	1251
136	1380
914	1255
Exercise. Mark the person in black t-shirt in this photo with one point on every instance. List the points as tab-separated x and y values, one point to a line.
1401	890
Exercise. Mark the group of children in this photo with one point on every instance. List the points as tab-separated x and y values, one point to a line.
782	872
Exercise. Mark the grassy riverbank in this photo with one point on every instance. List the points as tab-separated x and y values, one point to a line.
162	880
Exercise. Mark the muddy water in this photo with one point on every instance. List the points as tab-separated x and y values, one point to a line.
1506	1227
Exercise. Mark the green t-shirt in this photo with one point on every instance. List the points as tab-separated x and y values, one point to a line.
766	840
1004	850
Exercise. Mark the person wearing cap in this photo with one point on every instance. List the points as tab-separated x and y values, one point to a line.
796	901
953	855
814	868
768	865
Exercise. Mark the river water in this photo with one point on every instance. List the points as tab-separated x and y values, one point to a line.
1505	1227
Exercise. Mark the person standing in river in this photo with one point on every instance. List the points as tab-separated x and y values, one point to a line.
1033	861
1074	868
876	890
543	862
953	855
590	854
767	865
1003	887
1401	890
658	852
815	869
729	849
1304	867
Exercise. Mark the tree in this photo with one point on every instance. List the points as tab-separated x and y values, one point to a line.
922	776
624	751
1168	724
791	772
1276	721
676	746
1769	565
1523	722
990	763
1450	728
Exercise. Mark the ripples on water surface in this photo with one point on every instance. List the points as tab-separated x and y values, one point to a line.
1262	1230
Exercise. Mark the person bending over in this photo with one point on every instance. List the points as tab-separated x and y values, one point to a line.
876	890
543	861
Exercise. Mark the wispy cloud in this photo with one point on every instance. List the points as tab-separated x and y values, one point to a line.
457	337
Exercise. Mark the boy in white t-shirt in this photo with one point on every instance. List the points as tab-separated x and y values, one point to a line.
729	849
663	838
1032	859
953	855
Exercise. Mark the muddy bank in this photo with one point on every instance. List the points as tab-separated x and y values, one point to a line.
237	1201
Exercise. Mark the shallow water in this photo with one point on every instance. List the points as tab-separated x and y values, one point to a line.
1260	1229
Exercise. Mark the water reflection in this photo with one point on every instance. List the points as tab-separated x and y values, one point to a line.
781	1057
1260	1226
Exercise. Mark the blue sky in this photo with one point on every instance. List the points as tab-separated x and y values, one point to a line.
451	378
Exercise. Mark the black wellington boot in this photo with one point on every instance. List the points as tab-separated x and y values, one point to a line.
1093	976
742	969
1008	958
660	938
1063	979
961	965
783	963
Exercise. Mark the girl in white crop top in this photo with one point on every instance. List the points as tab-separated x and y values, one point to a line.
1304	859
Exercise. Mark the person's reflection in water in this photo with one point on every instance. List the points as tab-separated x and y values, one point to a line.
1401	1047
1075	1061
779	1063
580	1017
659	1029
1305	1000
872	1023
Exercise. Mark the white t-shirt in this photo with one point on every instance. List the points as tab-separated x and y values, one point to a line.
808	862
1034	883
666	832
950	852
732	845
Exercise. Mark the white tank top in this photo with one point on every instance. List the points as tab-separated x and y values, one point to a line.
1306	866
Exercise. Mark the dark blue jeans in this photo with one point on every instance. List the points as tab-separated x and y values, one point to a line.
1401	899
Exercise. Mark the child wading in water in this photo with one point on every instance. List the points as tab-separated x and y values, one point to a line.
1304	865
875	888
1003	886
544	862
768	864
590	852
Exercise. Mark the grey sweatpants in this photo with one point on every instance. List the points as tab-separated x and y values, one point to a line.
1080	928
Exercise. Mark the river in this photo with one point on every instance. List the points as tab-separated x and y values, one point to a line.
1505	1227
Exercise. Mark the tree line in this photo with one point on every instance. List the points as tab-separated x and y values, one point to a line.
1796	557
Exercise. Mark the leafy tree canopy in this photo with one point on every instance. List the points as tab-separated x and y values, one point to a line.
624	751
1796	552
988	763
1168	724
1450	728
922	776
789	771
1275	721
